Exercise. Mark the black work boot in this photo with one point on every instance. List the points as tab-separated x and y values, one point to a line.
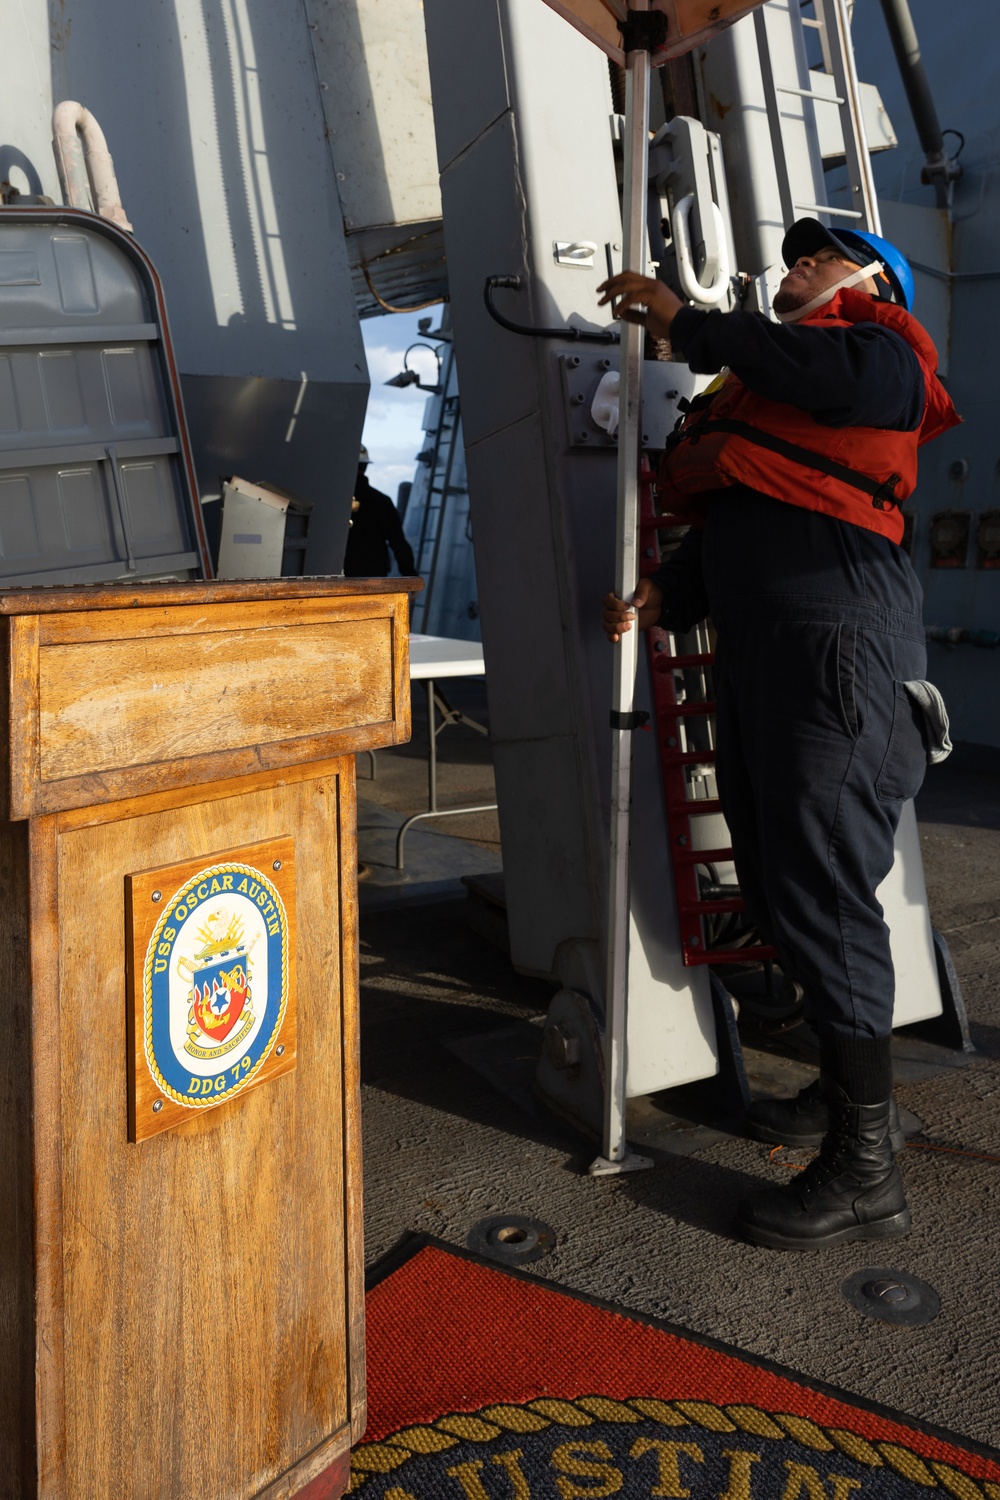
804	1120
851	1191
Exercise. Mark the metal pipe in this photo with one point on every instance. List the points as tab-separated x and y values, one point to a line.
940	169
83	161
773	117
616	1156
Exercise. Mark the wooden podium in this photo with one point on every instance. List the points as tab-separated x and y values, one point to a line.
181	1267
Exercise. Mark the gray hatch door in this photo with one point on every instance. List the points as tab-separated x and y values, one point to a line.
96	481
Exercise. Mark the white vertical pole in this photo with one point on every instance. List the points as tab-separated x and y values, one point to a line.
616	1157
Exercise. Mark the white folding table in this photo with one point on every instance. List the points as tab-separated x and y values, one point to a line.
431	658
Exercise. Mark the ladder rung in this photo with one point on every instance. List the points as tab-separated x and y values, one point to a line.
827	208
686	757
690	808
684	710
706	659
810	94
755	953
703	856
690	804
709	908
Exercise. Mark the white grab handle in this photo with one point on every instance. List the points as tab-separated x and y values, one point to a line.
704	296
83	161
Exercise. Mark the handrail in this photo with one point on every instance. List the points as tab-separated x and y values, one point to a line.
703	296
83	161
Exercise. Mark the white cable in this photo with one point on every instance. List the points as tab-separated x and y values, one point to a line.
702	296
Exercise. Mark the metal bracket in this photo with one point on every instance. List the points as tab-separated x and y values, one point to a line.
643	31
630	1162
951	1027
637	719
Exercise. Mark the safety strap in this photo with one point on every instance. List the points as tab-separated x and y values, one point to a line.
882	492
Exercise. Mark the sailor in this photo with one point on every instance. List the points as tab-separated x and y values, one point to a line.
792	472
375	528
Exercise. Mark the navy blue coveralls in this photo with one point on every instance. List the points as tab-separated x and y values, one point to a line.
819	625
376	526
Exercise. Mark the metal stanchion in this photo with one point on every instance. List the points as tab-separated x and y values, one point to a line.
616	1156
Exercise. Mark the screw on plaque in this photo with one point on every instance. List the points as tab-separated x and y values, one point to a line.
276	865
892	1297
157	1106
280	1049
156	896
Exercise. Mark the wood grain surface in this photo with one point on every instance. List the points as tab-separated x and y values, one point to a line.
182	1316
354	1222
47	1109
128	702
325	1473
17	1321
115	704
148	895
58	598
209	1297
22	713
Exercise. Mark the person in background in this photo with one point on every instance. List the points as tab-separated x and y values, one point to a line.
376	528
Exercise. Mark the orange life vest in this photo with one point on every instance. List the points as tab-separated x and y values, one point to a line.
858	474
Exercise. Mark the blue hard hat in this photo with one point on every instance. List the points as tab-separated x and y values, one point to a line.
806	236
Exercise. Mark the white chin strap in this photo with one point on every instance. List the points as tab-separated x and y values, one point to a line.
797	313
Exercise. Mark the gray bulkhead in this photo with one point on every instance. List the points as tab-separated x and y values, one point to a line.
956	260
212	110
522	109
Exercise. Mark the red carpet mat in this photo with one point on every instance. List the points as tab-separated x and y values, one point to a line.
486	1384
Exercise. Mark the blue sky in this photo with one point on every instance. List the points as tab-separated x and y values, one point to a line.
393	431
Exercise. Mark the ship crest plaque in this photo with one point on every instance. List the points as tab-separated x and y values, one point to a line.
211	981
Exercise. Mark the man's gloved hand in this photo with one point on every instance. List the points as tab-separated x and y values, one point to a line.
647	603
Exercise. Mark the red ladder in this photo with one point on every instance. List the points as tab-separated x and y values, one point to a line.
672	717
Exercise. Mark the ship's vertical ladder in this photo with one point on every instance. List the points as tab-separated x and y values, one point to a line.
440	489
832	23
683	710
